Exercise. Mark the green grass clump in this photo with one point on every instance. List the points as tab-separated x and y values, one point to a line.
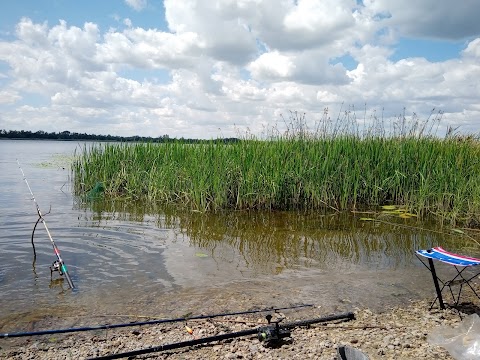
427	174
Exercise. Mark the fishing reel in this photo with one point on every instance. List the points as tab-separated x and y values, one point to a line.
272	333
56	266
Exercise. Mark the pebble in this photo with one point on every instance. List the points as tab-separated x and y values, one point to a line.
375	334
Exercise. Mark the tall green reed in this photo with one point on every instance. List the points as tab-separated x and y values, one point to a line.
346	171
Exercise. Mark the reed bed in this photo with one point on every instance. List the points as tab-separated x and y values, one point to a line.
427	175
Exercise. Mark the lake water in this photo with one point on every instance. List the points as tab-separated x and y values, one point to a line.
137	259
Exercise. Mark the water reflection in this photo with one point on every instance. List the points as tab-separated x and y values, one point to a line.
270	242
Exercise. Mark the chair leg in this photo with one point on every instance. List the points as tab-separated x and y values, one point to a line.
435	282
468	280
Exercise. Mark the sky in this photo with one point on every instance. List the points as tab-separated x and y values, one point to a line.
226	68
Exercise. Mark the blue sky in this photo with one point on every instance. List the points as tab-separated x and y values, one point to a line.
208	69
105	13
431	49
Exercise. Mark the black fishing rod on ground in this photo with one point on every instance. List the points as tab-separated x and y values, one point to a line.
59	264
270	333
150	322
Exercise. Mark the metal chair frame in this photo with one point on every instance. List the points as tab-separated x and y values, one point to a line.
460	279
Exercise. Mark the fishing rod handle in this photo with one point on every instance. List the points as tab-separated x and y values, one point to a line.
69	279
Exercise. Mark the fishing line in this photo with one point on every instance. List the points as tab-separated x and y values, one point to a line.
59	264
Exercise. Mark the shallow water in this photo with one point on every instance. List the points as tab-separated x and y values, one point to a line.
133	259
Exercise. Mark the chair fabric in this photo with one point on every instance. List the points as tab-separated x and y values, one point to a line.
459	262
439	253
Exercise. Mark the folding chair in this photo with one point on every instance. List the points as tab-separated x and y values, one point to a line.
459	262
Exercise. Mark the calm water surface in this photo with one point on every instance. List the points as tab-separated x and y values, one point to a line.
133	259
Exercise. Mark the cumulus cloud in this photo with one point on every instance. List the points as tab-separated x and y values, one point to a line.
137	5
9	97
272	65
309	67
473	49
236	63
318	22
149	48
223	34
429	18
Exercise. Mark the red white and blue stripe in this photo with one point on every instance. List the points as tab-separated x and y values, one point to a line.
440	254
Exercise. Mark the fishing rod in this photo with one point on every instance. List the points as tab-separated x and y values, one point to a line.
270	333
150	322
58	265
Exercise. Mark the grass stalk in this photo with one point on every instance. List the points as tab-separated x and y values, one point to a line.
426	174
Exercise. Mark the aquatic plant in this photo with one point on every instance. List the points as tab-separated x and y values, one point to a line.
343	170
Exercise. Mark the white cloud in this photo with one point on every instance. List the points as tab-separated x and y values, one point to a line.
317	22
137	5
149	49
221	32
308	67
429	18
416	84
235	64
473	49
9	97
272	65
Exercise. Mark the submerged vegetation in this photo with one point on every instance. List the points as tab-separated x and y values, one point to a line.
333	168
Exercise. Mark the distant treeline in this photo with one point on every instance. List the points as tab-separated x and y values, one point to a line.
67	135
